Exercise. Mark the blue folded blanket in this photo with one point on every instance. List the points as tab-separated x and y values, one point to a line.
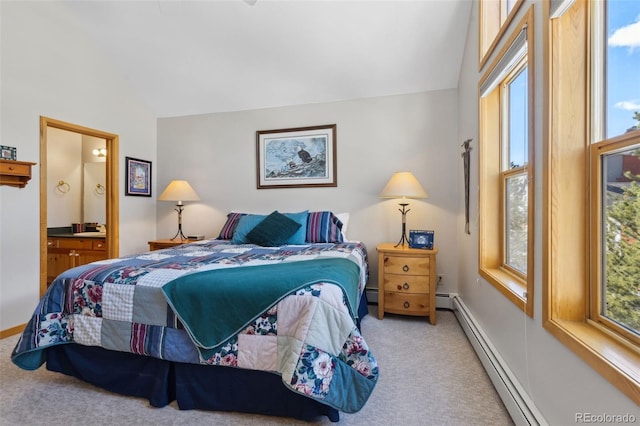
214	305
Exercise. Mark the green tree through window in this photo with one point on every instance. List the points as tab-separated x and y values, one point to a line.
621	298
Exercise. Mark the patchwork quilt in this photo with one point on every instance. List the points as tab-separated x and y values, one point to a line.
289	310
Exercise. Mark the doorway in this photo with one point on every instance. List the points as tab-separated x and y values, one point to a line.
110	188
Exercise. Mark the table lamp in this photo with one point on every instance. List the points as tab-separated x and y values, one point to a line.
403	185
179	190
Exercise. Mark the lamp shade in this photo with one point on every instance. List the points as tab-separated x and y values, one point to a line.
403	185
179	190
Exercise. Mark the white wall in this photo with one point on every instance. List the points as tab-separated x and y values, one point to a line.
558	381
50	68
216	153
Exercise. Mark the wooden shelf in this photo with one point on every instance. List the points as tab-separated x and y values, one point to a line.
15	173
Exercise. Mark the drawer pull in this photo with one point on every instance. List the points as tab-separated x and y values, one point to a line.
404	286
405	268
406	305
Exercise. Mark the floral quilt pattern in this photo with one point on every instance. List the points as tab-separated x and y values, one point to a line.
309	337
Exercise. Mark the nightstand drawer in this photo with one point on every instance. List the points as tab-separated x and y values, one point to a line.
407	283
406	304
403	265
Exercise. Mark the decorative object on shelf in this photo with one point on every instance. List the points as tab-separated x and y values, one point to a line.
100	152
63	187
299	157
100	189
403	185
466	158
179	190
421	239
138	177
7	152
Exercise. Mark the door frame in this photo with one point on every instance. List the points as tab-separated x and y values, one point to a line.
111	191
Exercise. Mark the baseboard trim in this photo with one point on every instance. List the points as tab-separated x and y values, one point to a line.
520	406
372	296
12	331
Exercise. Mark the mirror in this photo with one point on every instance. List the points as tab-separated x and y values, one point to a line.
77	185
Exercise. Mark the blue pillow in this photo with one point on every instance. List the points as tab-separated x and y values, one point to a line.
273	231
245	225
300	237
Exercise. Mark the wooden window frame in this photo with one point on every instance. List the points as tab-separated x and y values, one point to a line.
566	222
515	286
493	23
598	150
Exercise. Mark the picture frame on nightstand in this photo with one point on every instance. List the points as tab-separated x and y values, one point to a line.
421	239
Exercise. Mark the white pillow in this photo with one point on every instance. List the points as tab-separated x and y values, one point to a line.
344	218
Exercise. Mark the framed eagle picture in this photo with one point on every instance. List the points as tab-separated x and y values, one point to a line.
297	157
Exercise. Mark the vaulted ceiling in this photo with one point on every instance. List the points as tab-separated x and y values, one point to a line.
193	57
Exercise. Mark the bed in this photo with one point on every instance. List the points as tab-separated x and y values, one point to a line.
262	319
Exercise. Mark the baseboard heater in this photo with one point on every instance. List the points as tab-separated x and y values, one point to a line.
515	399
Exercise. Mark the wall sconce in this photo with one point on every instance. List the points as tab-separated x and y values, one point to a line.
179	190
100	152
403	185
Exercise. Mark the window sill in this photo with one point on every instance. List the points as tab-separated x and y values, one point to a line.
512	287
613	359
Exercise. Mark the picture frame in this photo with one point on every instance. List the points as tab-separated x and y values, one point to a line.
297	157
421	239
137	177
7	153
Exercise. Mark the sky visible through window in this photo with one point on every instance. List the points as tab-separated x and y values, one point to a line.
623	65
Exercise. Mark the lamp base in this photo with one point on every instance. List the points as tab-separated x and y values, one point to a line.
179	233
403	240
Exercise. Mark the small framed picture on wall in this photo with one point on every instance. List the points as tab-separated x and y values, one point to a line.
138	177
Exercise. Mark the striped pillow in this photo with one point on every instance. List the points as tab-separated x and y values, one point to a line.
324	227
226	233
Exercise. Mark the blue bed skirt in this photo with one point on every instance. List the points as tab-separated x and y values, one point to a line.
192	386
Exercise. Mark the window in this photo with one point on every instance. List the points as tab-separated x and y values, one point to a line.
506	169
591	256
615	286
514	172
495	17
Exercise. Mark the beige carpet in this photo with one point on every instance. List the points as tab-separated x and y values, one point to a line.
429	375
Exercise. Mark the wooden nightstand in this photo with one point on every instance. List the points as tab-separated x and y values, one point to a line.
166	243
406	281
